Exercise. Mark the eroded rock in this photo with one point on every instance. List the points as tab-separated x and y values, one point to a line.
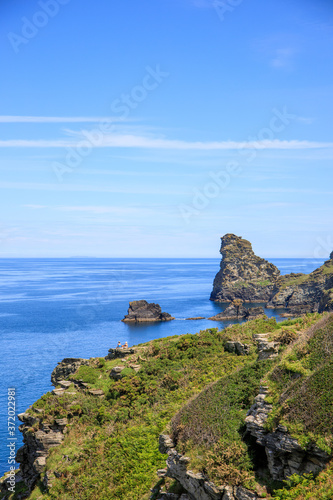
143	311
65	368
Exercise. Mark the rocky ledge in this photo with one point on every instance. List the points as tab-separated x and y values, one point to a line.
197	486
284	454
66	367
247	277
236	310
143	311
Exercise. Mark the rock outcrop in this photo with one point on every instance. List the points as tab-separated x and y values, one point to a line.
38	438
236	347
65	368
243	275
197	486
238	312
119	352
143	311
284	454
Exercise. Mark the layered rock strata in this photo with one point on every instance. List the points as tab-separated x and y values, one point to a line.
243	275
65	368
197	486
284	454
38	439
143	311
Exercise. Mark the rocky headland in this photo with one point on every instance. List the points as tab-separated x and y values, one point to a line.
143	311
245	276
187	396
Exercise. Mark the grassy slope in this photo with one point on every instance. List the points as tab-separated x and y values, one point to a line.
324	271
111	446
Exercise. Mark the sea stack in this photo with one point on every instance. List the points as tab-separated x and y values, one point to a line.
143	311
243	275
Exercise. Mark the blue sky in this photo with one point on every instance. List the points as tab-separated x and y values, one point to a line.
150	129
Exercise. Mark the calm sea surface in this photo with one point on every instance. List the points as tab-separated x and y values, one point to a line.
56	308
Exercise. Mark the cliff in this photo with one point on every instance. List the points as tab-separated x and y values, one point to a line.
243	407
245	276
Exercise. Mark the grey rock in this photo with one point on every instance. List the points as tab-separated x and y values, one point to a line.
243	275
284	454
237	347
116	372
197	486
65	368
119	353
142	311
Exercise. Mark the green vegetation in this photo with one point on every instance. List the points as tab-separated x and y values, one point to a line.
190	387
301	387
307	487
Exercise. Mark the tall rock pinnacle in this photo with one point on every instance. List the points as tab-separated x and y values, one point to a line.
243	274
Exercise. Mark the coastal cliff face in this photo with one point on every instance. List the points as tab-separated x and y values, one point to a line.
243	275
307	290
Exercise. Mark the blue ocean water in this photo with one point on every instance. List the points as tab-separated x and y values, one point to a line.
56	308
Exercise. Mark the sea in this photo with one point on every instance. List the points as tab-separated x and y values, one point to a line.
52	309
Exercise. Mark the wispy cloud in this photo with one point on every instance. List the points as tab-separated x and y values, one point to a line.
59	119
283	58
43	186
136	141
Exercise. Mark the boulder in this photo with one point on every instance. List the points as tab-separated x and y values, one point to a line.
237	347
143	311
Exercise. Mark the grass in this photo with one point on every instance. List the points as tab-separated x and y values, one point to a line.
189	386
301	386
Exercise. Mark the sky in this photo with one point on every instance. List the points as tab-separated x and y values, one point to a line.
151	129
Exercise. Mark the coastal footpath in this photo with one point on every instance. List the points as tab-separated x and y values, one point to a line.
245	276
219	415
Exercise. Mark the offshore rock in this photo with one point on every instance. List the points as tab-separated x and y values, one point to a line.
143	311
243	275
238	312
65	368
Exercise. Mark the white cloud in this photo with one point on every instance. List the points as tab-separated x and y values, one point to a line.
58	119
136	141
43	186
